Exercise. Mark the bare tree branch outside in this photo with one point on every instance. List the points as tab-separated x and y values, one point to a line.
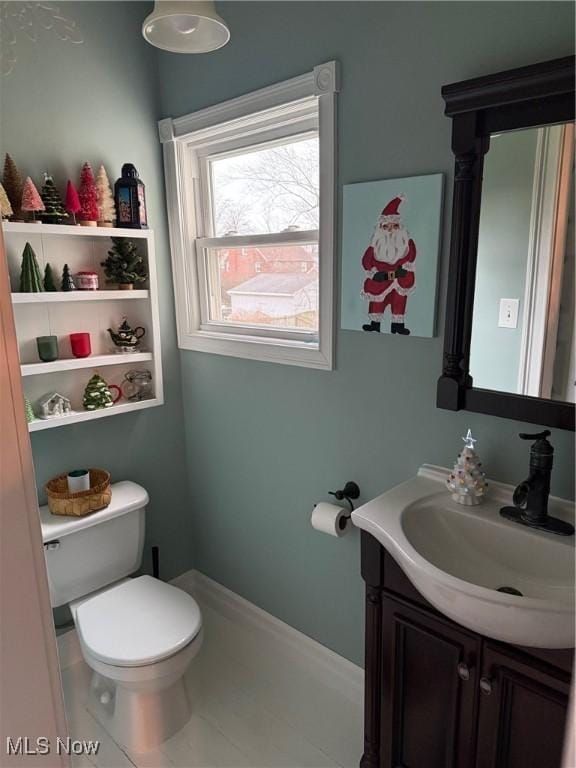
267	190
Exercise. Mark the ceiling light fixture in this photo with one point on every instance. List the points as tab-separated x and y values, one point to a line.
185	27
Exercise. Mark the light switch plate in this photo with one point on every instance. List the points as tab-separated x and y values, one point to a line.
508	315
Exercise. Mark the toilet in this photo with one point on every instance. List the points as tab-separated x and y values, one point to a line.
138	635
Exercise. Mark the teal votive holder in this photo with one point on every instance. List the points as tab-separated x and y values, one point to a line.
47	348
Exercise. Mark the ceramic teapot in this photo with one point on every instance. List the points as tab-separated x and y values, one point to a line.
126	339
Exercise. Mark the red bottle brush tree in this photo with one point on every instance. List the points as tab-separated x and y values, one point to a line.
88	197
31	200
72	203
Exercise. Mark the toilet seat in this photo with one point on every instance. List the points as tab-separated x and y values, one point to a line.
137	622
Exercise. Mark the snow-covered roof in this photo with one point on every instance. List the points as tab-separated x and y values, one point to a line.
275	284
51	395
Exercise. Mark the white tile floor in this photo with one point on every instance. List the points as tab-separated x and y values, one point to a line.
252	708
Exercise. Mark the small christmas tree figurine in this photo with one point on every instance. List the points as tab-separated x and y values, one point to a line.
124	265
67	283
467	481
97	395
28	411
54	212
5	207
30	277
88	197
49	279
31	200
106	207
72	203
12	182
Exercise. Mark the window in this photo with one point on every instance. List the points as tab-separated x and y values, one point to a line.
250	187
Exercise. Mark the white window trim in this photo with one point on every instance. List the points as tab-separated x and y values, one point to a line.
289	100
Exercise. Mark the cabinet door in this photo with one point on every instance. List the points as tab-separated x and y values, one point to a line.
429	690
522	712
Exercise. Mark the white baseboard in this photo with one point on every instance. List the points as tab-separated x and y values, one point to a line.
268	631
339	672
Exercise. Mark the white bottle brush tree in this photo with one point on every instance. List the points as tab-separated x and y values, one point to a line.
106	207
467	480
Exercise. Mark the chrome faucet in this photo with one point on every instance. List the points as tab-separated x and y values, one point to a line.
531	496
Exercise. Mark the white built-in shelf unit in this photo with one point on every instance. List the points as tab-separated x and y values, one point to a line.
64	312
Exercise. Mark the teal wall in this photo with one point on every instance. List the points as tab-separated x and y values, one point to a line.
64	104
266	441
502	258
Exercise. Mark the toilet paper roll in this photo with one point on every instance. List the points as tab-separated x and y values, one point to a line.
328	518
78	480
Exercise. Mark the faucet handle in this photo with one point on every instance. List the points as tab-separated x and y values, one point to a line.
520	495
541	450
539	436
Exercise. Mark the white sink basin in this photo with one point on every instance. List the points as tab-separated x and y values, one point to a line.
458	557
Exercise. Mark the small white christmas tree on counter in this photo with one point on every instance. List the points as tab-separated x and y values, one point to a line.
467	481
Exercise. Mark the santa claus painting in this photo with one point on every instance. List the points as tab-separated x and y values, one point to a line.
390	249
389	267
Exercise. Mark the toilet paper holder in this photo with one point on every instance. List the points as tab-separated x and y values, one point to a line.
350	491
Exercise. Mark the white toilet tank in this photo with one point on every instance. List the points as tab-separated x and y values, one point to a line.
84	554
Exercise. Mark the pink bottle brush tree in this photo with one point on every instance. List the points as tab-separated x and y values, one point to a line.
88	197
31	200
72	203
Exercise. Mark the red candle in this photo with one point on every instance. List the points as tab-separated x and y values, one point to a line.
80	343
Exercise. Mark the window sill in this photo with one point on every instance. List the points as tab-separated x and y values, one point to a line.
256	348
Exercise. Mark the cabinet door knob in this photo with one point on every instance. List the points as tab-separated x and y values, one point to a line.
463	671
486	686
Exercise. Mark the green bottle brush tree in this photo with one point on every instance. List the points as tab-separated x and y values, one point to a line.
125	265
49	284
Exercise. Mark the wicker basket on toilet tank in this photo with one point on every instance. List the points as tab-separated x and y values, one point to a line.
62	502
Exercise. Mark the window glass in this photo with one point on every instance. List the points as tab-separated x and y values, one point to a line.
267	189
272	286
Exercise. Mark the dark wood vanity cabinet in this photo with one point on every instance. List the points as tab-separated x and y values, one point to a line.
441	696
522	713
429	680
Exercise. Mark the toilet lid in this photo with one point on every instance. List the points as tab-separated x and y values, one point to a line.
140	621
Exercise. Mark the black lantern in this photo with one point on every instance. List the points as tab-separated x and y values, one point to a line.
130	199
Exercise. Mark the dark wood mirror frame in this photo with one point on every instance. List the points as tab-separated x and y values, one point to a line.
542	94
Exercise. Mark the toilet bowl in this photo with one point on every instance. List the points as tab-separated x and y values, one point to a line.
138	635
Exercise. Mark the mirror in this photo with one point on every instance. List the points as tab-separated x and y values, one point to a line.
522	339
509	326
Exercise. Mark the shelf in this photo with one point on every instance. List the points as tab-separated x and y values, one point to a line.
45	297
25	228
80	416
93	361
36	314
